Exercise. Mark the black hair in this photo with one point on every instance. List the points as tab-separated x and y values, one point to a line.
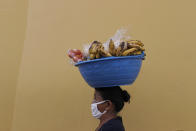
116	95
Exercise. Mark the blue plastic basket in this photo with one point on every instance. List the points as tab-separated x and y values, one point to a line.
111	71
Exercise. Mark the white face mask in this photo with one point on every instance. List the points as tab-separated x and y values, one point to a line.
95	112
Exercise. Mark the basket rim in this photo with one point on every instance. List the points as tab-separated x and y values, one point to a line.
141	56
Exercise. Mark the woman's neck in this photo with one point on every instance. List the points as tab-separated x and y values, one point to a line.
104	118
107	117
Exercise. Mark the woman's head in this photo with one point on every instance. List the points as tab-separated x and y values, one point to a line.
114	96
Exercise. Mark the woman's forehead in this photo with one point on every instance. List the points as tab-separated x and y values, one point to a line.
97	95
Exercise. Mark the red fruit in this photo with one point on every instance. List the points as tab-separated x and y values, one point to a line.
79	56
77	52
71	53
75	59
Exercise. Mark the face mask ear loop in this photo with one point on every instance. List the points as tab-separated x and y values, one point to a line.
101	102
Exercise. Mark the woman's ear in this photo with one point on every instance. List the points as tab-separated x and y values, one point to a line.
108	105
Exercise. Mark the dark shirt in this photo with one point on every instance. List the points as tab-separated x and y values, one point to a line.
114	124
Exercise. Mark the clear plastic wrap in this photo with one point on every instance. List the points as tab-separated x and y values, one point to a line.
86	51
120	36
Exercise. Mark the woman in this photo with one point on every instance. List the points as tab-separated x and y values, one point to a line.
108	101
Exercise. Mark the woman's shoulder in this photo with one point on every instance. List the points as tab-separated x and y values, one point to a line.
114	124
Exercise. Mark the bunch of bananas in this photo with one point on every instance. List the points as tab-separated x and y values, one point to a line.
134	47
96	50
131	47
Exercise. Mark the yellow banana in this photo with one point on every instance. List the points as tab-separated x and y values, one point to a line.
112	49
138	42
97	55
94	46
142	48
129	51
135	46
118	51
92	56
104	53
137	52
122	47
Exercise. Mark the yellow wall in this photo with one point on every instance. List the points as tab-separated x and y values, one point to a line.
52	96
12	33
